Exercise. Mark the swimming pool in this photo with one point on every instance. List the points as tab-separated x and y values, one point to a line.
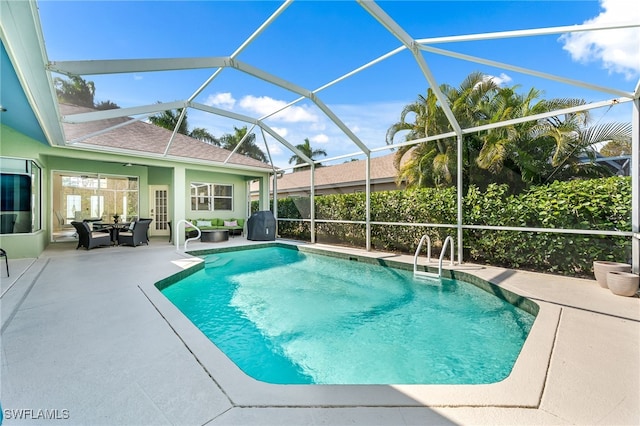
286	316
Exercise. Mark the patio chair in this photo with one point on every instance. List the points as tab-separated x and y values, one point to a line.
6	259
88	238
135	234
150	220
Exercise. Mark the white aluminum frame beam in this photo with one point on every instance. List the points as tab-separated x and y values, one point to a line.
86	117
527	33
247	119
124	66
395	29
237	147
411	44
526	71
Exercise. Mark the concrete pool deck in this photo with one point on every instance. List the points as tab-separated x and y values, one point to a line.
86	338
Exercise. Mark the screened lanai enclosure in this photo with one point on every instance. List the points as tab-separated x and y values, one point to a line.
513	129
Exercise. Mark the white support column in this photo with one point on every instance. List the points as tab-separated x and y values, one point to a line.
263	203
368	200
275	199
180	200
312	204
635	186
459	196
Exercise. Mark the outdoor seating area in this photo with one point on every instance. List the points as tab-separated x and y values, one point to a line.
234	226
92	234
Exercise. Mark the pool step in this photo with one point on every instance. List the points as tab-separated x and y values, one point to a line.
214	262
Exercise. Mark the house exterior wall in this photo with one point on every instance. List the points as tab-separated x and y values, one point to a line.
16	145
177	175
346	189
239	194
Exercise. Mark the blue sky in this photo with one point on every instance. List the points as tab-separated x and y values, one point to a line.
314	42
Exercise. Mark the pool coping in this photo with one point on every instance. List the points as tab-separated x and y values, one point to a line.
522	388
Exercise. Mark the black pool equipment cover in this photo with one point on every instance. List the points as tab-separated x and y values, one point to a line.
261	226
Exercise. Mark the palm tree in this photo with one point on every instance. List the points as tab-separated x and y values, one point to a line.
433	163
558	147
203	135
248	147
311	153
104	105
576	157
78	91
75	91
520	154
169	120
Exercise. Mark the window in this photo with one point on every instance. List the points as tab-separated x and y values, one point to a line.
78	196
222	197
211	197
20	182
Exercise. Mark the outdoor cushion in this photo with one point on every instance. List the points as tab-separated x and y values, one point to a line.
232	223
201	223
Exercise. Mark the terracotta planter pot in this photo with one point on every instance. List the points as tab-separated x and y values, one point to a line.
602	267
623	283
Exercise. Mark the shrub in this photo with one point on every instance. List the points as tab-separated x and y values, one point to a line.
600	204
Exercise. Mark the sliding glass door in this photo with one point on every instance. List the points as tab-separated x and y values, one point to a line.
80	196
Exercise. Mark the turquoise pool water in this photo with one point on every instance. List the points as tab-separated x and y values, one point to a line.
289	317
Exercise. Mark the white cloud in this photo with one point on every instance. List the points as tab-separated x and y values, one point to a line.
221	100
619	50
264	105
282	131
321	138
500	80
275	148
137	77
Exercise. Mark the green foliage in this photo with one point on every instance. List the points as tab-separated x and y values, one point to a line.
520	154
602	204
307	150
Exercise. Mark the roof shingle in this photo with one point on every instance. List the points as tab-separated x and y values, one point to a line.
148	138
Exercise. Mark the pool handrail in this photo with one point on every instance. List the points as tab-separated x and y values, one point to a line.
417	273
186	222
444	250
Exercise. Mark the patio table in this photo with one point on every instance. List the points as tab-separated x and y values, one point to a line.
214	235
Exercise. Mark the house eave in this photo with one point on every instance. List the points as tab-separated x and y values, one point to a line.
22	37
176	159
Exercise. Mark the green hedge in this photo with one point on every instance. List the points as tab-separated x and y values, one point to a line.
603	204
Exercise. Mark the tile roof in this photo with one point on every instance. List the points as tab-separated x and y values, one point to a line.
345	174
148	138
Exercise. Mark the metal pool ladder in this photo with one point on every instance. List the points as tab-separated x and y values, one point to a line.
424	274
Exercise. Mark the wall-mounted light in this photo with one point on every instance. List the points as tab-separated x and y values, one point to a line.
2	109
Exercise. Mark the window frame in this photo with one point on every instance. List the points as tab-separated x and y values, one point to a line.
206	201
33	171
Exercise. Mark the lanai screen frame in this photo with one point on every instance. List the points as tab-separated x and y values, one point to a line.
29	13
